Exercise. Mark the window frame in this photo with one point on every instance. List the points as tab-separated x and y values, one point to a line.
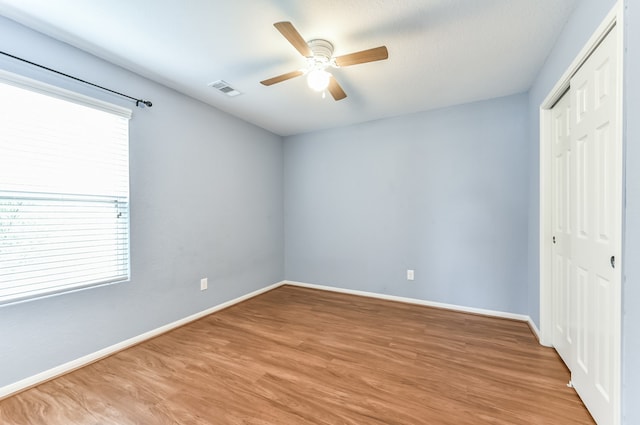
49	90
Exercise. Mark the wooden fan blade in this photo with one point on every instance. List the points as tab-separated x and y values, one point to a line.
293	36
281	78
335	89
364	56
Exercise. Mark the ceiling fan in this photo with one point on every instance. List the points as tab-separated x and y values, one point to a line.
319	57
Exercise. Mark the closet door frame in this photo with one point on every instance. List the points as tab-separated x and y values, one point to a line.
614	18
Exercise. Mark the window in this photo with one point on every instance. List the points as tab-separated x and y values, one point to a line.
64	190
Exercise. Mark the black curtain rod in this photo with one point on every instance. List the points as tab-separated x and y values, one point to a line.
139	102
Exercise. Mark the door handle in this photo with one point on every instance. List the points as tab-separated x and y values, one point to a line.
613	261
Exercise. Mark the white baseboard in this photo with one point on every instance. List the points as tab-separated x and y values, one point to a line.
534	329
65	368
484	312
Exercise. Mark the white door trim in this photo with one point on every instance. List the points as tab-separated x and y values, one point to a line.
614	17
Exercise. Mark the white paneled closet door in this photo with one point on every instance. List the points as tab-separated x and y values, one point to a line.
561	221
596	239
586	220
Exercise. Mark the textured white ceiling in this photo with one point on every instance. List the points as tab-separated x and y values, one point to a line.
441	52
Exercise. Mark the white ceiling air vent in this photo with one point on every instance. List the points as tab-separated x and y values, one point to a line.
224	87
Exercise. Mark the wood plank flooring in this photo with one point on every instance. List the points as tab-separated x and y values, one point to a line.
301	356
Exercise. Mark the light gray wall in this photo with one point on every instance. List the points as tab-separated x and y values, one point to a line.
631	247
442	192
206	200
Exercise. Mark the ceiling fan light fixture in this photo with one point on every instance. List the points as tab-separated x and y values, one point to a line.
318	79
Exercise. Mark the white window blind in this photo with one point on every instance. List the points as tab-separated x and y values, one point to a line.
64	190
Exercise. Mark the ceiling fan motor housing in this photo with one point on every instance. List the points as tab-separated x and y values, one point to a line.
322	50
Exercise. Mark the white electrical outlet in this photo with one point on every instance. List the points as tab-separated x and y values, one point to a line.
410	275
204	284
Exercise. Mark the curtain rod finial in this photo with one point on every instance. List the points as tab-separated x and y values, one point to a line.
142	103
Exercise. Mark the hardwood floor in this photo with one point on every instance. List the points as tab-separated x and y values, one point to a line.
301	356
